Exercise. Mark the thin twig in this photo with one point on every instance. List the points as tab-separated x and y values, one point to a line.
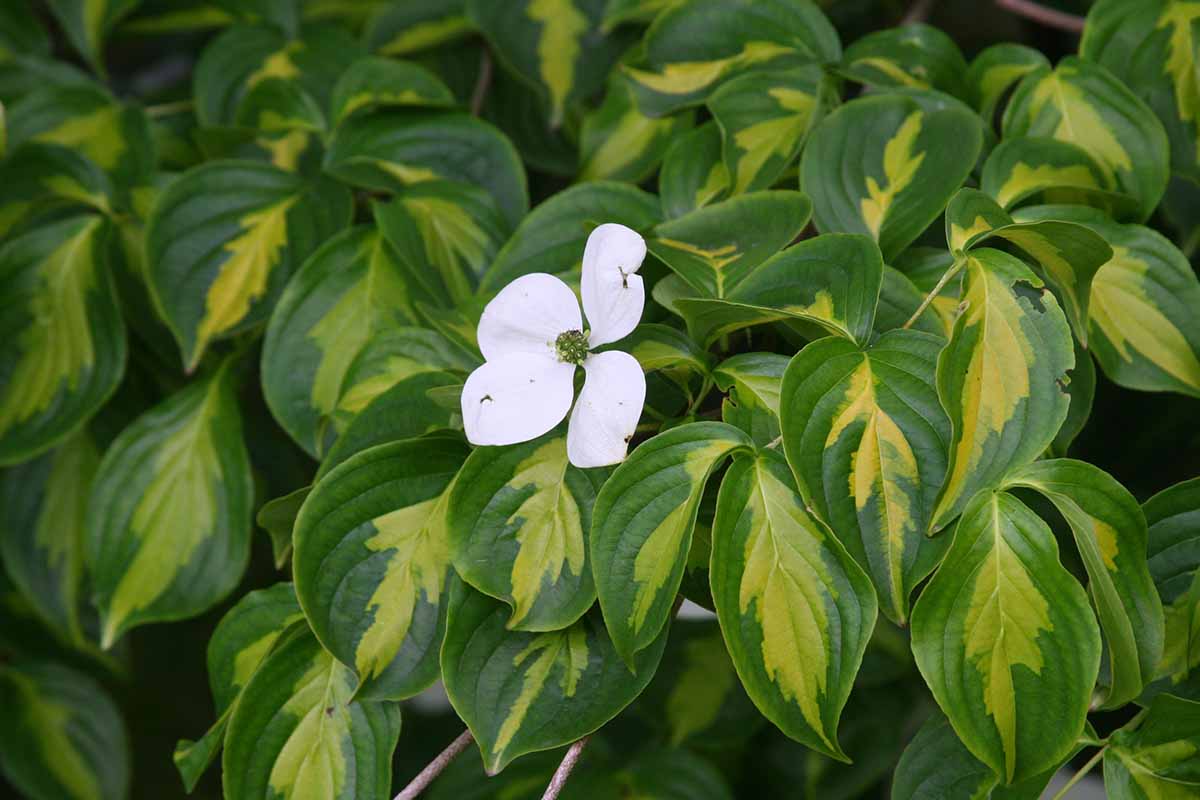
937	289
482	83
1078	776
918	12
1050	17
564	770
435	767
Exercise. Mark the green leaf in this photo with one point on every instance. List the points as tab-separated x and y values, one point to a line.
661	348
618	142
1110	532
555	46
692	48
996	70
1006	640
1144	331
1082	390
297	729
623	12
551	238
936	766
914	56
795	608
61	736
517	520
1151	46
1069	254
1174	558
523	692
351	289
899	299
85	118
391	148
241	641
224	239
1158	760
752	381
64	350
1001	377
280	106
717	247
1025	170
278	517
168	527
399	29
452	227
764	119
885	166
642	527
404	411
693	174
372	562
87	23
42	177
244	55
1084	104
868	440
44	504
372	82
831	280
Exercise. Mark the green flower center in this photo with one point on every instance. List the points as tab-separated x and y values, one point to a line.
572	347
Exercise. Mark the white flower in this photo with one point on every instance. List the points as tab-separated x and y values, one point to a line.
532	339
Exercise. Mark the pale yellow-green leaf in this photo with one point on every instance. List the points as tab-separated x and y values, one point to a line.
1181	62
312	765
568	650
772	136
698	694
685	77
277	65
1080	122
1024	177
558	48
46	720
453	240
424	35
96	134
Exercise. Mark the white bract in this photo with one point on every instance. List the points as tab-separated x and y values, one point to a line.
532	339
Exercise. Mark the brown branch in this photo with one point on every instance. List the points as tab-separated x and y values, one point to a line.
1049	17
482	83
919	12
435	767
564	770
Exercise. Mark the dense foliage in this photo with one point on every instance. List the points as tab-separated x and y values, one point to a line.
921	345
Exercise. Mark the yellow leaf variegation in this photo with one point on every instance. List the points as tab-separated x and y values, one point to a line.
521	692
518	521
795	608
643	531
393	547
1007	641
1001	377
169	531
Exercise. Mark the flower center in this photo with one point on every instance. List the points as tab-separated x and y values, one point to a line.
572	347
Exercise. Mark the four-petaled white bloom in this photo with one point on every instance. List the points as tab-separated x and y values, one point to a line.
532	339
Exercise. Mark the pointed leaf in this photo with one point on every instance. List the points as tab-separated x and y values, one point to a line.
693	174
867	439
1110	532
915	56
1174	555
1038	169
523	692
298	729
885	166
995	70
372	82
1001	378
63	350
1158	760
1005	638
717	247
618	142
518	521
642	527
795	608
372	562
224	239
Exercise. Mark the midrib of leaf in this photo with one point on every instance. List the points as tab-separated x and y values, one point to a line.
48	722
293	778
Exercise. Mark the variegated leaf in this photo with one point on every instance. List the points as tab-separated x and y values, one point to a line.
915	56
224	239
618	142
1174	556
752	381
401	29
1158	759
518	520
642	530
298	730
996	70
1037	169
1110	532
1006	640
693	173
1001	377
522	692
795	608
372	562
63	350
372	82
168	526
867	439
